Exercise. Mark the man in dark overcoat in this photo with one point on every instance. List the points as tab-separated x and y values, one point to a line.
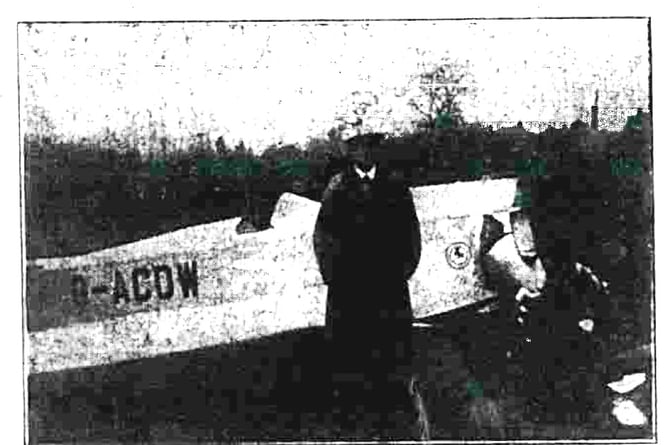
367	242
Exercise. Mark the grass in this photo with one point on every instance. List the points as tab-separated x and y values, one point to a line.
272	388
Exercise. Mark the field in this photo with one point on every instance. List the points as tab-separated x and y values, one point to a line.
273	389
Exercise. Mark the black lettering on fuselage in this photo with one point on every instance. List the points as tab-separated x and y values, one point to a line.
144	280
136	273
169	291
79	289
120	288
188	278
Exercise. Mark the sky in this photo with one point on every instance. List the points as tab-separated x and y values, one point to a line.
266	83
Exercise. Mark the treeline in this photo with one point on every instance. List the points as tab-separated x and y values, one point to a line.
84	197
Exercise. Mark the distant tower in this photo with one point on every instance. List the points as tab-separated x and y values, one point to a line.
594	116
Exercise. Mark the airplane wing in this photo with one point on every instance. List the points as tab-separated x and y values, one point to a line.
207	285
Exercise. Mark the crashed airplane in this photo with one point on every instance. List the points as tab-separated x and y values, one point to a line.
207	285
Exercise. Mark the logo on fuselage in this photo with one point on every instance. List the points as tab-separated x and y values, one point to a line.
458	255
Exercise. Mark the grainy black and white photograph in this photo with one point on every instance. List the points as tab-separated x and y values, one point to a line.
338	230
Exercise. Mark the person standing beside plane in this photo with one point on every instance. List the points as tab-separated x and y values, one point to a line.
564	326
367	243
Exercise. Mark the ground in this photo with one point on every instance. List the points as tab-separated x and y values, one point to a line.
265	389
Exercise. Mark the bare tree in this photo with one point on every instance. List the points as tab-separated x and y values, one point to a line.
356	108
220	145
39	123
334	135
439	89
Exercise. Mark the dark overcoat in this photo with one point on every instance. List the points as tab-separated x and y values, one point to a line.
368	244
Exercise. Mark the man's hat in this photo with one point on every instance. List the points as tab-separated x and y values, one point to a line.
366	140
368	143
